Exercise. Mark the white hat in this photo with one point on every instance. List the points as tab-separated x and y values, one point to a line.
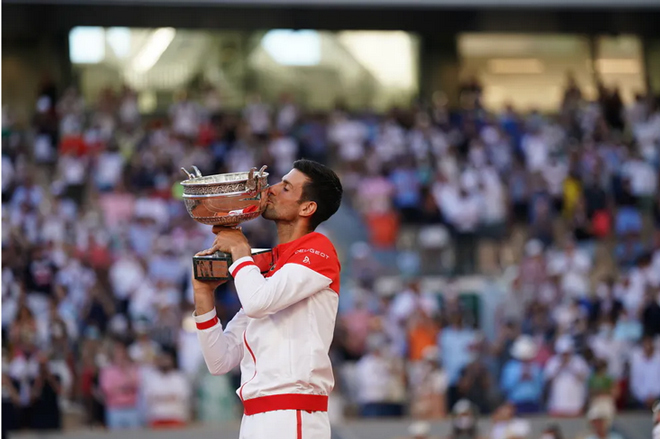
419	428
564	345
534	247
518	428
601	410
462	406
524	348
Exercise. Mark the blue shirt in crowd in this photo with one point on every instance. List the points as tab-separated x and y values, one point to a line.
455	345
518	389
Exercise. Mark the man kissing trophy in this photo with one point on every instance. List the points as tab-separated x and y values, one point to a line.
224	200
289	296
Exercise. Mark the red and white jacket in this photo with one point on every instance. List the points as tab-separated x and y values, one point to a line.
282	334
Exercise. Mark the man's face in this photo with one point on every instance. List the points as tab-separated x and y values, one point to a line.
283	199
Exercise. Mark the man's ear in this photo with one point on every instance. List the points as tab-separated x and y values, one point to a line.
307	209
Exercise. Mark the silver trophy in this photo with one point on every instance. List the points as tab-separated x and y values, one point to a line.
225	200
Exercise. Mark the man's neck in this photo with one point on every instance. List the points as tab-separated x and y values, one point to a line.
287	232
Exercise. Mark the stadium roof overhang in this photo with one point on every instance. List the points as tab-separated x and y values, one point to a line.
431	17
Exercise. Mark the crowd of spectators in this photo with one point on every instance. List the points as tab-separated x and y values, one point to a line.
97	247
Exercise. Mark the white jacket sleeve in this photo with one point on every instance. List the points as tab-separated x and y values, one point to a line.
290	284
222	350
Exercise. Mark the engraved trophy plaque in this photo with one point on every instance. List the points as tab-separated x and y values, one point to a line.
225	200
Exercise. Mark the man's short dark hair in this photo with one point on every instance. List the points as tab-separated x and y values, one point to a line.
323	187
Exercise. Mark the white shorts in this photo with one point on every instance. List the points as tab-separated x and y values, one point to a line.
286	424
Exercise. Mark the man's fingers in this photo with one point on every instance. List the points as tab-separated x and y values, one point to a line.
217	229
207	252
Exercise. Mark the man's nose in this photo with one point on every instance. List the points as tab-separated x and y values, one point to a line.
274	189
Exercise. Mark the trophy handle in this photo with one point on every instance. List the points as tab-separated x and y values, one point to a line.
254	183
190	176
197	174
251	183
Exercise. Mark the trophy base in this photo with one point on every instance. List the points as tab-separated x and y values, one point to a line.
216	266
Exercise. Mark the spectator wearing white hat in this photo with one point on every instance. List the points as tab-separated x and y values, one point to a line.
419	430
566	373
518	429
522	379
600	418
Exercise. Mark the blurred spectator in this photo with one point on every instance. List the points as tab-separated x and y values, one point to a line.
22	371
186	117
566	374
501	419
284	150
600	418
108	168
650	314
144	350
287	114
126	276
502	347
98	310
422	334
90	388
412	300
23	331
357	322
429	387
607	307
522	379
464	421
552	432
455	341
419	430
257	115
129	113
465	220
378	377
645	373
167	394
573	265
120	384
407	194
602	388
45	407
475	380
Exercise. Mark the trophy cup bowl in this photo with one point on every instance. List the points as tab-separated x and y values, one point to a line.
223	200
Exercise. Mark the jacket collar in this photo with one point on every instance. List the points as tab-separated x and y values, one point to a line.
281	249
